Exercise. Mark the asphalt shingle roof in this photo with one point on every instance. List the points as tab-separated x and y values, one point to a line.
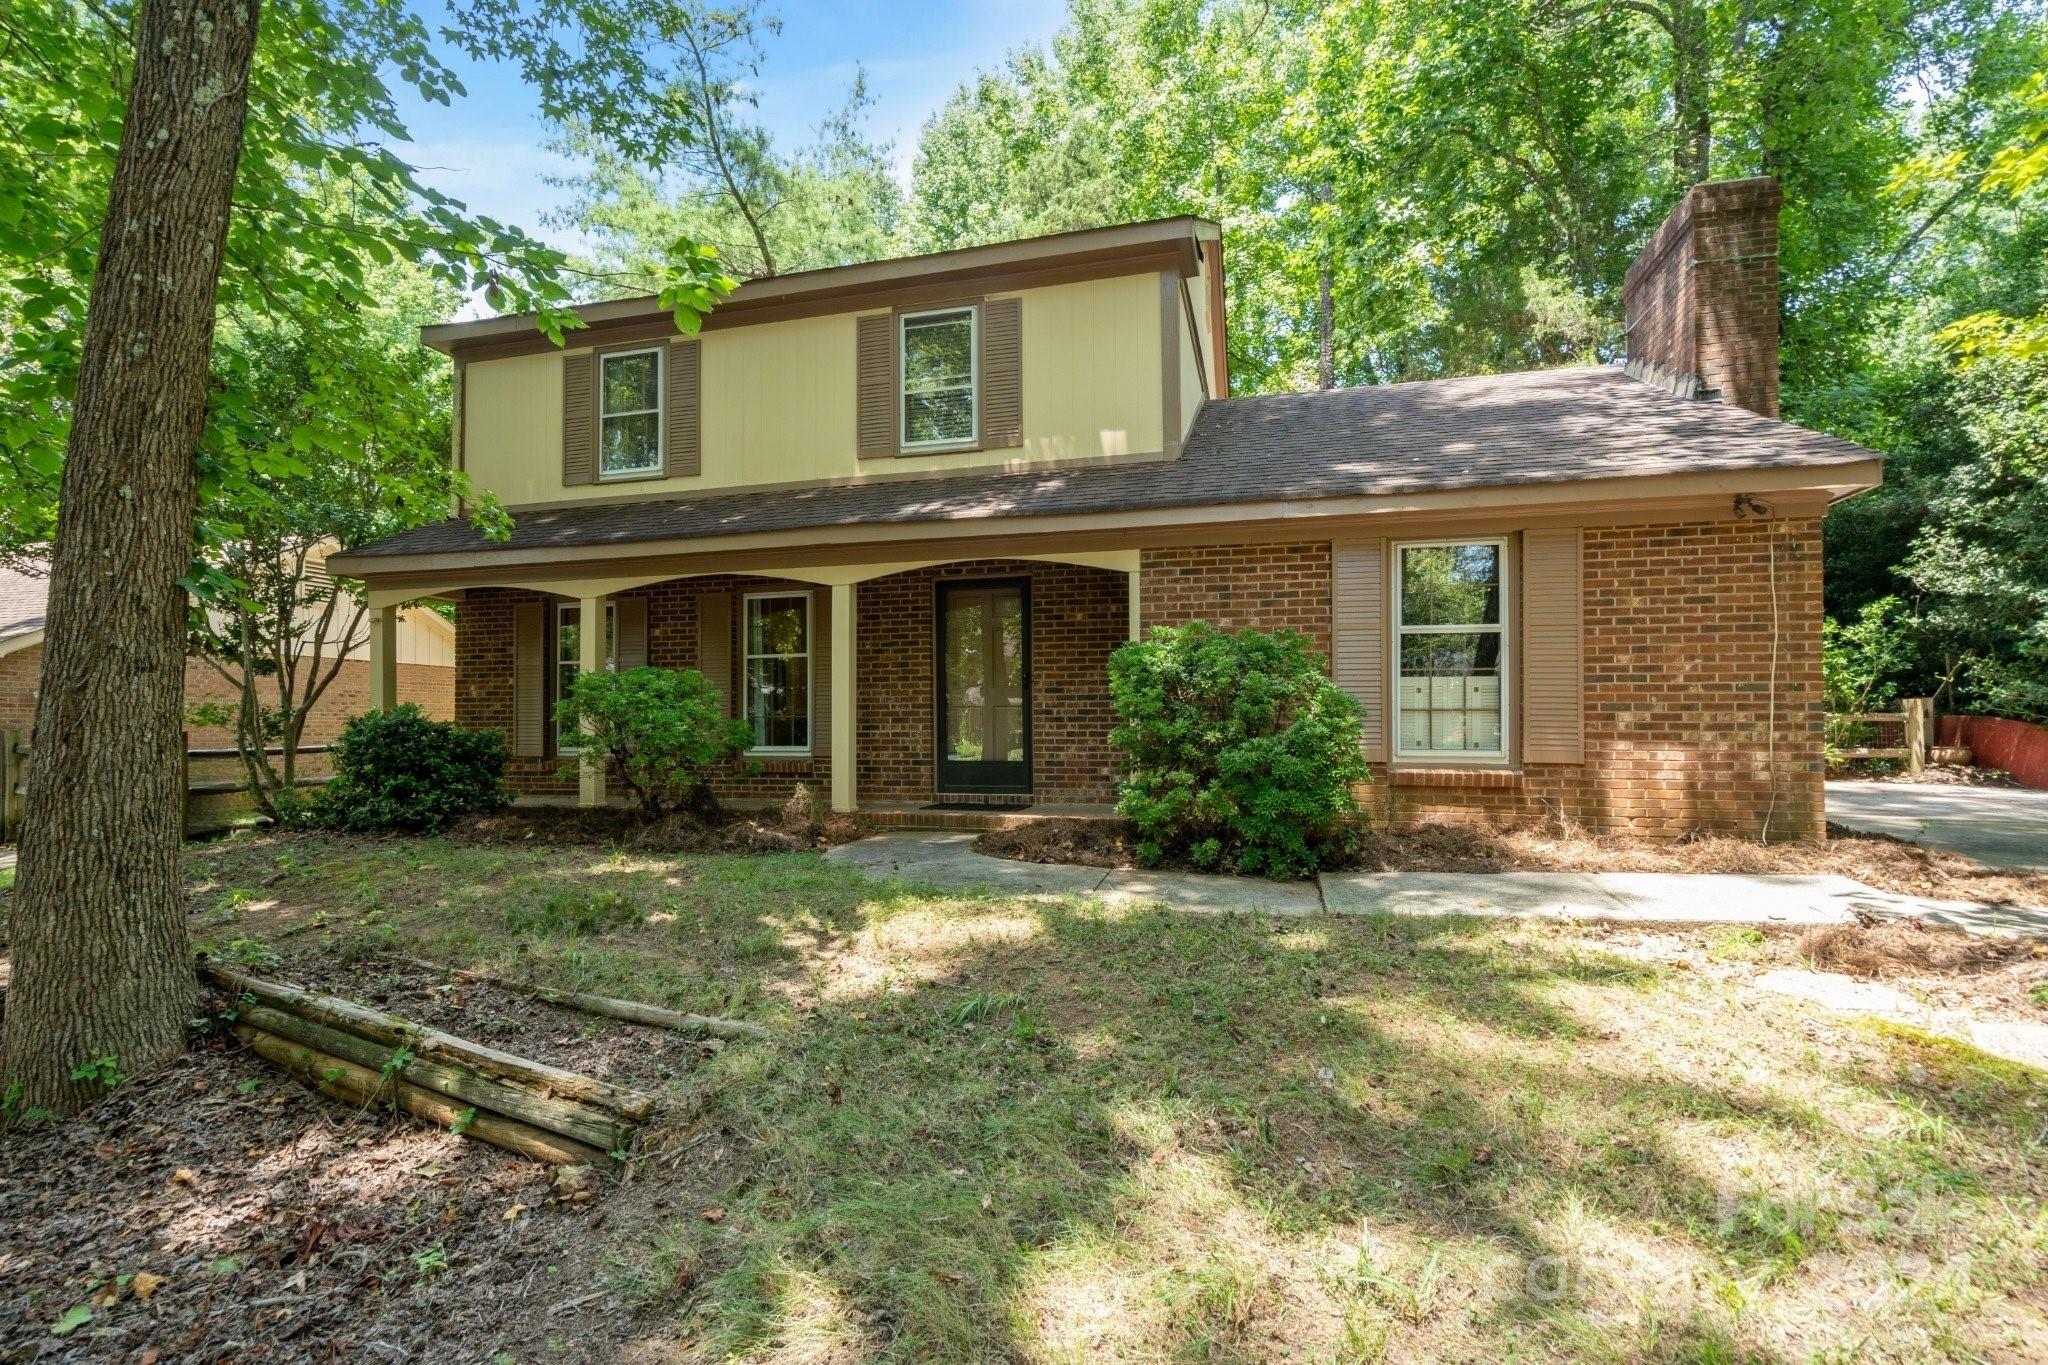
23	600
1543	426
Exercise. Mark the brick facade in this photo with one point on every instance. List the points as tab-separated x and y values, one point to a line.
1678	645
1677	668
1078	618
1266	587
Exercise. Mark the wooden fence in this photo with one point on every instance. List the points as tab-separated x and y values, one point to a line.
1906	734
14	751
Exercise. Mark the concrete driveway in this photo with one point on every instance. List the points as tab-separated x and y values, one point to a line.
1998	826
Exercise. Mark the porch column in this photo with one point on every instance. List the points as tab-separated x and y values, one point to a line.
1137	620
383	658
591	658
843	798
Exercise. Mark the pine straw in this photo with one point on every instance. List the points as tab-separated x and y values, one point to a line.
1877	860
1908	947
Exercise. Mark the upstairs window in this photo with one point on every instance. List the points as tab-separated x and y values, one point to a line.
940	357
1452	644
778	672
629	414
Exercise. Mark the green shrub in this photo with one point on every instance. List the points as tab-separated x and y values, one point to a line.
397	770
1240	755
657	731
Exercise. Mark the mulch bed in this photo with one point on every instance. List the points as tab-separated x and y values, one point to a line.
286	1226
611	826
1872	948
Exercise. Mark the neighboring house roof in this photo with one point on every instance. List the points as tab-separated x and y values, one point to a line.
23	600
1538	427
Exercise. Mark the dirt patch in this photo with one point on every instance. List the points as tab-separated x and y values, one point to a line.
1084	843
1873	948
218	1210
610	826
1877	860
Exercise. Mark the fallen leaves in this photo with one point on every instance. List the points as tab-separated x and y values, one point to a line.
145	1284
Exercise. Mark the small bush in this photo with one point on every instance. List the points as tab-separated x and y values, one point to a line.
397	770
657	731
1240	755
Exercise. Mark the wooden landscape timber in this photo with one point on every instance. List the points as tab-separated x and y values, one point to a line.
366	1056
631	1011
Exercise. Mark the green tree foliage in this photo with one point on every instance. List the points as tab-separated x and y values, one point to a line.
1240	754
397	770
657	732
766	212
323	203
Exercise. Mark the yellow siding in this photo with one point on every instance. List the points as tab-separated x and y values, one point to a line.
779	403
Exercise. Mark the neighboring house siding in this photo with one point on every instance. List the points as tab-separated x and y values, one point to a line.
430	687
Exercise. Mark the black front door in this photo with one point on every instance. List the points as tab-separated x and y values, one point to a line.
984	690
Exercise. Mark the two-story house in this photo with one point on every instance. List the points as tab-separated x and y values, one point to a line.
902	512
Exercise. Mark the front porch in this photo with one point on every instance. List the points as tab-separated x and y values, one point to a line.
976	685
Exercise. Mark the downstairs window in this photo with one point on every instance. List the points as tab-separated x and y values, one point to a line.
1451	643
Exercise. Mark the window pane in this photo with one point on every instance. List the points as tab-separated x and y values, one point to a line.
938	352
775	625
569	635
938	417
632	382
630	445
938	378
1450	585
1450	692
778	702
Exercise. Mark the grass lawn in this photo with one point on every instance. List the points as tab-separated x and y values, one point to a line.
995	1129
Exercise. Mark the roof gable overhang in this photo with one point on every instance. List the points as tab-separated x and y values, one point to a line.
1168	244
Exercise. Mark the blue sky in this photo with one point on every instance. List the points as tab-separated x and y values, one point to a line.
486	150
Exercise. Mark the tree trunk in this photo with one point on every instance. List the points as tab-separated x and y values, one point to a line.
100	965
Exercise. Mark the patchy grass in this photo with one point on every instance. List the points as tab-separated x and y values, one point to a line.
1048	1130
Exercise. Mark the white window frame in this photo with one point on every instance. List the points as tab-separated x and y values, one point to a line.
747	656
973	438
660	411
611	659
1449	757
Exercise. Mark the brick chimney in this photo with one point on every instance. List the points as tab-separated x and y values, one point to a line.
1701	299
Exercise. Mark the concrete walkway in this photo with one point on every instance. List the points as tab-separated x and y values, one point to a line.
1998	826
947	861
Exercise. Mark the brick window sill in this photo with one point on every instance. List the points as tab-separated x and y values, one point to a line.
776	763
1461	779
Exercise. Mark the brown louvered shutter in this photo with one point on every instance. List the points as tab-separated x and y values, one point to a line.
629	645
714	643
685	408
1002	373
579	420
1358	590
1553	688
529	680
821	672
875	384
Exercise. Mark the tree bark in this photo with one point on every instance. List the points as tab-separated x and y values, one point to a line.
100	963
